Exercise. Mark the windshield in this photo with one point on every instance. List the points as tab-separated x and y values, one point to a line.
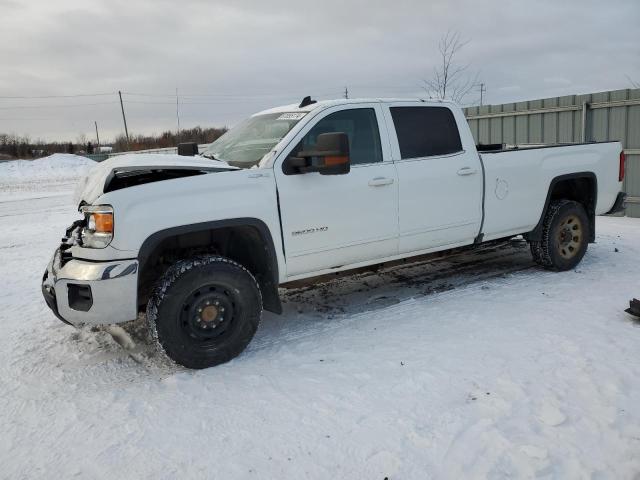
245	144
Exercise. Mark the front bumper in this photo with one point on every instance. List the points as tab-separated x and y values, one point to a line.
83	292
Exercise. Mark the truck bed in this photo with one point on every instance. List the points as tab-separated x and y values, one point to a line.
517	181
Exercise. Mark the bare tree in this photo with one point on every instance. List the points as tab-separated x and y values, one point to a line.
449	80
633	83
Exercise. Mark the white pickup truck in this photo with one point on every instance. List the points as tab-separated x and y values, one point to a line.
203	242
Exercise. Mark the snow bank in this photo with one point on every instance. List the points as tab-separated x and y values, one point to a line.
57	167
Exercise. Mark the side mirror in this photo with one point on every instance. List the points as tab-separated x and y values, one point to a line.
329	157
188	149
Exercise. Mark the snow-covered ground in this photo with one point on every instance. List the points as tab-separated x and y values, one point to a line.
482	366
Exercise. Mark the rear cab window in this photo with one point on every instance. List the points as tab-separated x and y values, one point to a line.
425	131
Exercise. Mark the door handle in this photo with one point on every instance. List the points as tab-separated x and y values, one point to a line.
380	181
467	171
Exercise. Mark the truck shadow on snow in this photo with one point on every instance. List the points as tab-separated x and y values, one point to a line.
314	308
375	289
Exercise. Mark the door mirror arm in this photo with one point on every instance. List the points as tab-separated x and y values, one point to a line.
296	165
329	157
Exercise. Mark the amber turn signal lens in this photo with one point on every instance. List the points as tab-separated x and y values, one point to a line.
330	161
104	222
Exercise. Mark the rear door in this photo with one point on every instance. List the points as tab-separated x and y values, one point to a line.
331	221
440	196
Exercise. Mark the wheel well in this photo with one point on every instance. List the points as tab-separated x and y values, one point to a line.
248	244
581	188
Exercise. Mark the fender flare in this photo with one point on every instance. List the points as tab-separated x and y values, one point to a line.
268	281
536	233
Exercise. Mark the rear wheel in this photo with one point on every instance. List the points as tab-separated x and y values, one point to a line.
204	311
565	236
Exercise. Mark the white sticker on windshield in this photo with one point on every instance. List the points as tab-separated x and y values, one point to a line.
292	116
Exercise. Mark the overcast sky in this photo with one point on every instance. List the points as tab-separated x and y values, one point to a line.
235	58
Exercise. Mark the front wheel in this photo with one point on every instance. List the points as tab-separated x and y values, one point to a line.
204	311
565	236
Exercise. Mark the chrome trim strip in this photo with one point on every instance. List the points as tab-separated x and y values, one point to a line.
79	270
432	157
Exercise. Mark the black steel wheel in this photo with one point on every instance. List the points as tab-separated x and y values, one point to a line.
205	311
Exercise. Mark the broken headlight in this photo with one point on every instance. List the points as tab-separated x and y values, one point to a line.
98	230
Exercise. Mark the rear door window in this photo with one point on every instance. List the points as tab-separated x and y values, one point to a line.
425	131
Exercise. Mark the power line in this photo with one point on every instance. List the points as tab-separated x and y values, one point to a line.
58	96
187	103
218	102
185	99
187	95
57	106
172	95
372	86
27	118
215	95
143	102
229	95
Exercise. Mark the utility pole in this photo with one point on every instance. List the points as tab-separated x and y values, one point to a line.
124	119
346	92
178	113
482	90
97	136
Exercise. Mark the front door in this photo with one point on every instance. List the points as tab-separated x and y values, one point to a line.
330	221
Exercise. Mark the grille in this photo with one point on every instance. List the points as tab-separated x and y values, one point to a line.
72	237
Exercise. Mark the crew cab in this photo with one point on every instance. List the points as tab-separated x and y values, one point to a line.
202	243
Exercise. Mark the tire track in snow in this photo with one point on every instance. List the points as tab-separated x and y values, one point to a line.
336	308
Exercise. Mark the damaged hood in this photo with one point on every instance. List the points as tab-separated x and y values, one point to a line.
129	170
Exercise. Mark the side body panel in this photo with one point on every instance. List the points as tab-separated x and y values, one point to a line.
517	182
440	197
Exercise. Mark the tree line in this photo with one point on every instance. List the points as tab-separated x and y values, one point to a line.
16	146
167	139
